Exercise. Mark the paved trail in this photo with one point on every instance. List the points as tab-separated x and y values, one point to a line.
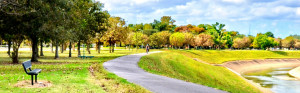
126	67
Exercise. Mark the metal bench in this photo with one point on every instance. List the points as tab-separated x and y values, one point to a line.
27	65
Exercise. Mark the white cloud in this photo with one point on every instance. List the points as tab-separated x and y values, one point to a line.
298	11
260	13
234	1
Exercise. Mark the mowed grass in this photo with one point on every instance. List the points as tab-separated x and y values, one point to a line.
176	64
218	57
67	74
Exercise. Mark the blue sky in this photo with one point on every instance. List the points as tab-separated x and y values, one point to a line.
282	17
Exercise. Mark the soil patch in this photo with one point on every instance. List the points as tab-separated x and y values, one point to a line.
39	84
295	72
242	66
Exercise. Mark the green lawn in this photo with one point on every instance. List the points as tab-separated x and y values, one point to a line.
218	57
180	64
67	74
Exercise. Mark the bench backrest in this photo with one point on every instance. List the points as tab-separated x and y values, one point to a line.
27	65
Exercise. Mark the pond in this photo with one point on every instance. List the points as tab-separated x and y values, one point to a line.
277	80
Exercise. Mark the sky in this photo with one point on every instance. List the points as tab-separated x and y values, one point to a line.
282	17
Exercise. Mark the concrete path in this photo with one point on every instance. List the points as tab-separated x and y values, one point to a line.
126	67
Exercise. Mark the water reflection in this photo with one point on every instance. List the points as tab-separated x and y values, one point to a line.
277	80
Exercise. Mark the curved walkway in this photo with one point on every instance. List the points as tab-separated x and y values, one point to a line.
126	67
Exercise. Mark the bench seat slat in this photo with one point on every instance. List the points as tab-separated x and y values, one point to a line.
34	72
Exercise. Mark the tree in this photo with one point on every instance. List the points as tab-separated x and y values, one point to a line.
218	28
150	31
288	42
279	42
147	27
296	36
13	24
139	38
269	34
159	39
164	37
203	40
241	43
159	26
129	39
168	21
189	38
177	39
154	40
297	43
262	41
116	31
227	40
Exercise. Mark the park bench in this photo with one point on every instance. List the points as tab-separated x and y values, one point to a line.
27	65
83	57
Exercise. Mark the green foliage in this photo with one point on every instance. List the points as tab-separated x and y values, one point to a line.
150	31
139	38
262	41
288	42
296	36
177	39
159	39
227	40
269	34
177	65
147	27
219	57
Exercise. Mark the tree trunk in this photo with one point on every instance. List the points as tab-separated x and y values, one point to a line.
9	46
62	48
109	47
41	51
113	48
88	48
52	48
70	49
99	46
34	42
0	41
78	49
15	53
56	51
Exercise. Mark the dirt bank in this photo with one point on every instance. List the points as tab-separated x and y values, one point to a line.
242	66
295	72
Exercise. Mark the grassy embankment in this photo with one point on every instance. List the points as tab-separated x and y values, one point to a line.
67	74
180	65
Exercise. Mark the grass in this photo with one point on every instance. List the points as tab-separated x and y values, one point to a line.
177	65
67	74
218	57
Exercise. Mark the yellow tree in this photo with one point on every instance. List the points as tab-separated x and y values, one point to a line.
116	32
189	38
177	39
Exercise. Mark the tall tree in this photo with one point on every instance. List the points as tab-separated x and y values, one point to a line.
14	24
262	41
288	42
269	34
177	39
116	31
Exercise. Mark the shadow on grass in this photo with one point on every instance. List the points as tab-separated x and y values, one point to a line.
280	52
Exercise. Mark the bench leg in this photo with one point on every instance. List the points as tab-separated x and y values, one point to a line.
35	78
31	79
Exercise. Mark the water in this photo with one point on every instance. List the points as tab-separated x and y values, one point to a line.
277	80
